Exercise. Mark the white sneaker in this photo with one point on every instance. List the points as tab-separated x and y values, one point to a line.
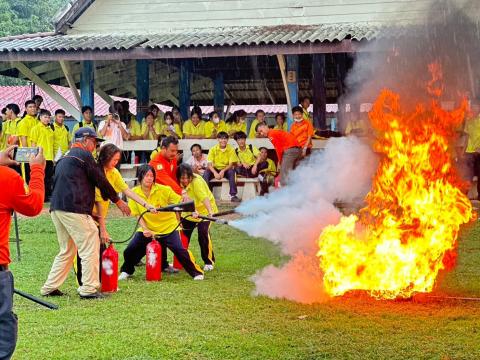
123	276
198	277
208	267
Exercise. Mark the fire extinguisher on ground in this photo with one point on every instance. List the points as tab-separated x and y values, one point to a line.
109	276
153	271
184	239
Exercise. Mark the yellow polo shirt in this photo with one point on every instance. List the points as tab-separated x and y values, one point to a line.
25	126
150	136
252	134
234	127
221	158
84	124
247	156
284	127
3	135
195	130
306	116
160	196
178	130
472	128
42	135
212	129
61	138
115	179
159	121
198	191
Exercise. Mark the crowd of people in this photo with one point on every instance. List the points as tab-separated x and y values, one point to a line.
36	127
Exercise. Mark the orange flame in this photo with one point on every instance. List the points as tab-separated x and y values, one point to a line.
398	243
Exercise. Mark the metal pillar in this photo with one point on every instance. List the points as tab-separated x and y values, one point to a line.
184	90
86	84
143	88
292	83
319	91
219	94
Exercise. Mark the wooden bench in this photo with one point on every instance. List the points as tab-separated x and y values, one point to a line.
247	188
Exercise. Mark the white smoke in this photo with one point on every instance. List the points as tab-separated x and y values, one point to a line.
294	216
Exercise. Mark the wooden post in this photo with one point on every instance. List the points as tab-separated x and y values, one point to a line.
29	74
319	91
67	71
184	90
143	88
219	94
292	83
341	73
86	84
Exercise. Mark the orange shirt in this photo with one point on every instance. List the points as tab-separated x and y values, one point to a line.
302	131
26	201
282	141
166	172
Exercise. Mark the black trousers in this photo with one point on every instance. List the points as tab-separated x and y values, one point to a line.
248	172
204	239
229	175
49	172
8	320
136	250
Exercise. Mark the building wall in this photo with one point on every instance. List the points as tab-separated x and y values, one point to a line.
159	15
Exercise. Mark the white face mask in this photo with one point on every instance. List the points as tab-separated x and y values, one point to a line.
216	120
168	121
298	120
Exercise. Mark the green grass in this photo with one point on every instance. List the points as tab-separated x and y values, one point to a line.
218	318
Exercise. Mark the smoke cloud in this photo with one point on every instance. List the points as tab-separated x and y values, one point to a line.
294	216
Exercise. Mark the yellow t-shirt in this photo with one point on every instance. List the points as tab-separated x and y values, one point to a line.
160	196
61	138
155	153
247	156
252	134
234	127
134	128
150	135
221	158
178	130
212	129
42	135
190	129
284	127
115	179
198	191
472	128
25	126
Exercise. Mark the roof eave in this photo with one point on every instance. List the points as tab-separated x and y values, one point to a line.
344	46
70	14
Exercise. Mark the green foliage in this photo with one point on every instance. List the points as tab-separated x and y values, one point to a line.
26	16
218	318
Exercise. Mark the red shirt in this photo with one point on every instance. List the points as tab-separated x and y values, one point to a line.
166	172
302	131
26	201
282	141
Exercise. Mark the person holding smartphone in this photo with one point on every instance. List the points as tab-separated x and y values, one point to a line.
26	201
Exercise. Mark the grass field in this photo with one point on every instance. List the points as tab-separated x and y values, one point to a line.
219	319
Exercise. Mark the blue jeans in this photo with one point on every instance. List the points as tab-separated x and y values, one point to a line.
8	320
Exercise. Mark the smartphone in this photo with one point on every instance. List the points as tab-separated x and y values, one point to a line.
23	154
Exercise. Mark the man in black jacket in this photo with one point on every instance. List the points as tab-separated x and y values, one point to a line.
73	198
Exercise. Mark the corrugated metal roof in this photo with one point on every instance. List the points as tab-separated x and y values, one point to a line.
232	36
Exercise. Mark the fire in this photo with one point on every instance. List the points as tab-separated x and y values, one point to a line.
408	230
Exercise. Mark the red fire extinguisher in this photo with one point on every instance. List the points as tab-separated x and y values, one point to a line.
110	269
184	239
154	261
